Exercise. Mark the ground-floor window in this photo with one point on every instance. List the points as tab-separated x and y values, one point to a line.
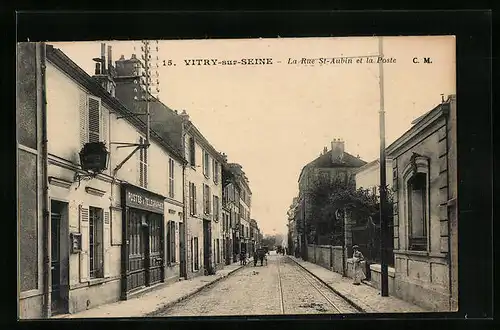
96	242
171	253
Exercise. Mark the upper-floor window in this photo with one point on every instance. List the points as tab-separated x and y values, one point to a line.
94	119
206	199
143	164
215	169
171	173
93	123
192	198
192	151
216	207
206	164
417	213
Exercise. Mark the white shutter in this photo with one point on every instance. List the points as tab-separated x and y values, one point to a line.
104	126
94	119
107	244
84	254
83	120
139	166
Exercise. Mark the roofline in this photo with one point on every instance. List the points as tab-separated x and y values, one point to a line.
436	113
370	164
195	132
63	62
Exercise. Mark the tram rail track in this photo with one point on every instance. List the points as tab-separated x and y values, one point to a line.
318	287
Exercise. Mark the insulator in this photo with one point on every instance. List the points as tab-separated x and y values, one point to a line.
157	47
142	48
135	81
135	90
135	98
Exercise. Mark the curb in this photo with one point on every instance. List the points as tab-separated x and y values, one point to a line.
190	294
350	301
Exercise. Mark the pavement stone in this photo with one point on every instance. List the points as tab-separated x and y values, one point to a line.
157	299
364	297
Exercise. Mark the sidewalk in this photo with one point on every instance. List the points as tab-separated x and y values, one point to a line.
157	299
366	298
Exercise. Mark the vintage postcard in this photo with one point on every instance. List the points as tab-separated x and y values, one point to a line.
218	177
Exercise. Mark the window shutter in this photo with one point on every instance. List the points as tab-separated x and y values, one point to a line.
104	126
145	178
84	254
107	244
195	202
94	111
83	120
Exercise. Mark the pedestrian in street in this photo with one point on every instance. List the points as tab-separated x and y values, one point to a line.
359	261
255	257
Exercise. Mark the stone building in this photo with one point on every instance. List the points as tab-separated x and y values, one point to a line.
425	212
333	163
105	232
202	188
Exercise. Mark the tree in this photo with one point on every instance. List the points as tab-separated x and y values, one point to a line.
329	196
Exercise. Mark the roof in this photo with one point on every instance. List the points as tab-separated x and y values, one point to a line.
167	122
63	62
420	124
325	161
370	164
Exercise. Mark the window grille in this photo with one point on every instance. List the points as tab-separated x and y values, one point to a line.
96	242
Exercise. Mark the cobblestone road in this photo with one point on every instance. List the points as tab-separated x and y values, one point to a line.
281	287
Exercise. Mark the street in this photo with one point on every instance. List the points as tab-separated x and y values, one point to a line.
281	287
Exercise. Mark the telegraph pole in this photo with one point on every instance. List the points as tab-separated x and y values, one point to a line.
383	193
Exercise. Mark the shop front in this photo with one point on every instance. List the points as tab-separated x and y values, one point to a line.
143	254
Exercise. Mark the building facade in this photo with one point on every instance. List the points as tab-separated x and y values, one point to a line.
114	233
425	212
202	189
331	164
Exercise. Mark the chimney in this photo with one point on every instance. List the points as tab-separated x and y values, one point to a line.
337	150
126	68
325	150
110	61
103	58
184	115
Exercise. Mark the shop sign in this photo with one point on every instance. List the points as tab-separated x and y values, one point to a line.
143	201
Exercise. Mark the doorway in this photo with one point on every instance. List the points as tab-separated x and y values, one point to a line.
59	262
182	251
207	247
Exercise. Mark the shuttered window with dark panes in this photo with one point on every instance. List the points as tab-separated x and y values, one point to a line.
96	251
192	198
143	165
206	199
192	150
171	253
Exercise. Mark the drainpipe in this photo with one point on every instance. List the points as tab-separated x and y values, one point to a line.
184	206
450	261
45	190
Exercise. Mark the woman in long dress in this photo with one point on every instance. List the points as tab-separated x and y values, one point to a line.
358	259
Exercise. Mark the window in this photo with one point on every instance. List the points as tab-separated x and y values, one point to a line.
96	242
171	173
143	165
206	199
192	151
192	198
215	168
206	164
94	111
216	207
417	213
171	242
195	254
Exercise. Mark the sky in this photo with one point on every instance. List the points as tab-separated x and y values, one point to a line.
273	119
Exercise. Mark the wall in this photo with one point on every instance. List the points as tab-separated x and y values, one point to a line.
326	256
369	176
421	277
29	183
